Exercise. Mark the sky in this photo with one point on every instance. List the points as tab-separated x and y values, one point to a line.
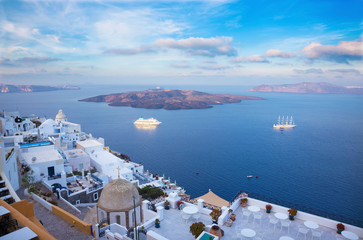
181	42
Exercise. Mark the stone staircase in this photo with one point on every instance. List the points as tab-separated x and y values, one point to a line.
4	192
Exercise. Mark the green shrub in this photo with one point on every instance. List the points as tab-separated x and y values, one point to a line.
150	193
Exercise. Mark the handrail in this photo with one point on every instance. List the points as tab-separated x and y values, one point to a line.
300	207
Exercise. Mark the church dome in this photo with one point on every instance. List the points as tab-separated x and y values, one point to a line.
60	116
118	195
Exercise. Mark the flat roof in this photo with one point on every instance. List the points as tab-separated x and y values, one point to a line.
41	156
75	153
89	143
104	157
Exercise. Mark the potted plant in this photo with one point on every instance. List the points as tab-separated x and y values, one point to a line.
179	204
268	208
157	223
340	228
292	213
166	205
232	216
244	202
216	231
215	215
197	228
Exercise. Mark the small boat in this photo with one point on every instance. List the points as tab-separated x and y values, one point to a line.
249	176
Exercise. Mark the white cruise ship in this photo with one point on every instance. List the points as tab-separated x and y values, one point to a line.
284	123
147	122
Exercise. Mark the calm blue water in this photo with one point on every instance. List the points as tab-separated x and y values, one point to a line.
317	164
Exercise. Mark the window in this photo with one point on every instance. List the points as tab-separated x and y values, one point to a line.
78	202
118	219
95	196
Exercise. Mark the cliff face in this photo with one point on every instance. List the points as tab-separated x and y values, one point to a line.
168	99
307	87
6	88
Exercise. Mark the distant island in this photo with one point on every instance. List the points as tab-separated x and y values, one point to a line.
6	88
170	99
308	87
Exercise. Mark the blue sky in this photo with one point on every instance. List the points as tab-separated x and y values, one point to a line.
215	42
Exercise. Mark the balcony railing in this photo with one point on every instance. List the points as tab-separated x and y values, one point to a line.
54	177
318	212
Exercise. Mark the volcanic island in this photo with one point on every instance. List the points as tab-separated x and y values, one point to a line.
169	99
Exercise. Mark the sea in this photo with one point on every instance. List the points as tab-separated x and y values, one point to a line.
318	164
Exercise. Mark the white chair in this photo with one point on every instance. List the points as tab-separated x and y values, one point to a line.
259	236
246	214
273	221
185	217
285	224
257	217
237	234
316	234
302	231
196	217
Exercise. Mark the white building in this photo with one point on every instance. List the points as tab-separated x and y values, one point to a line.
78	159
11	123
45	161
8	164
67	133
90	145
110	165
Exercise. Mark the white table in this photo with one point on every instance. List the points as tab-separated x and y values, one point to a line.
350	235
281	216
253	208
286	238
190	210
248	232
311	224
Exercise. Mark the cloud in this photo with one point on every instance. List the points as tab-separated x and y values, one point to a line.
213	67
309	71
253	58
129	51
345	71
278	53
27	61
211	47
181	64
344	52
6	62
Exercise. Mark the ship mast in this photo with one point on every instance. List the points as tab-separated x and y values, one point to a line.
287	120
278	121
282	122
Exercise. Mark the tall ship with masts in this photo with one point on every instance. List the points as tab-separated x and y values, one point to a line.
285	123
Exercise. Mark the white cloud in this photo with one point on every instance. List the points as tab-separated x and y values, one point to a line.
278	53
200	46
309	71
342	53
253	58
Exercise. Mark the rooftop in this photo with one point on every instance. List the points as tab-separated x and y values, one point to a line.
42	156
89	143
174	225
75	153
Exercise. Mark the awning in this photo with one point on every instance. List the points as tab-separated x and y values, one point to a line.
213	199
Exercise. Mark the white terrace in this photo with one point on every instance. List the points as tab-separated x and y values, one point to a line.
174	227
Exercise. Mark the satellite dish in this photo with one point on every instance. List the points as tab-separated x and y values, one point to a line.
18	120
